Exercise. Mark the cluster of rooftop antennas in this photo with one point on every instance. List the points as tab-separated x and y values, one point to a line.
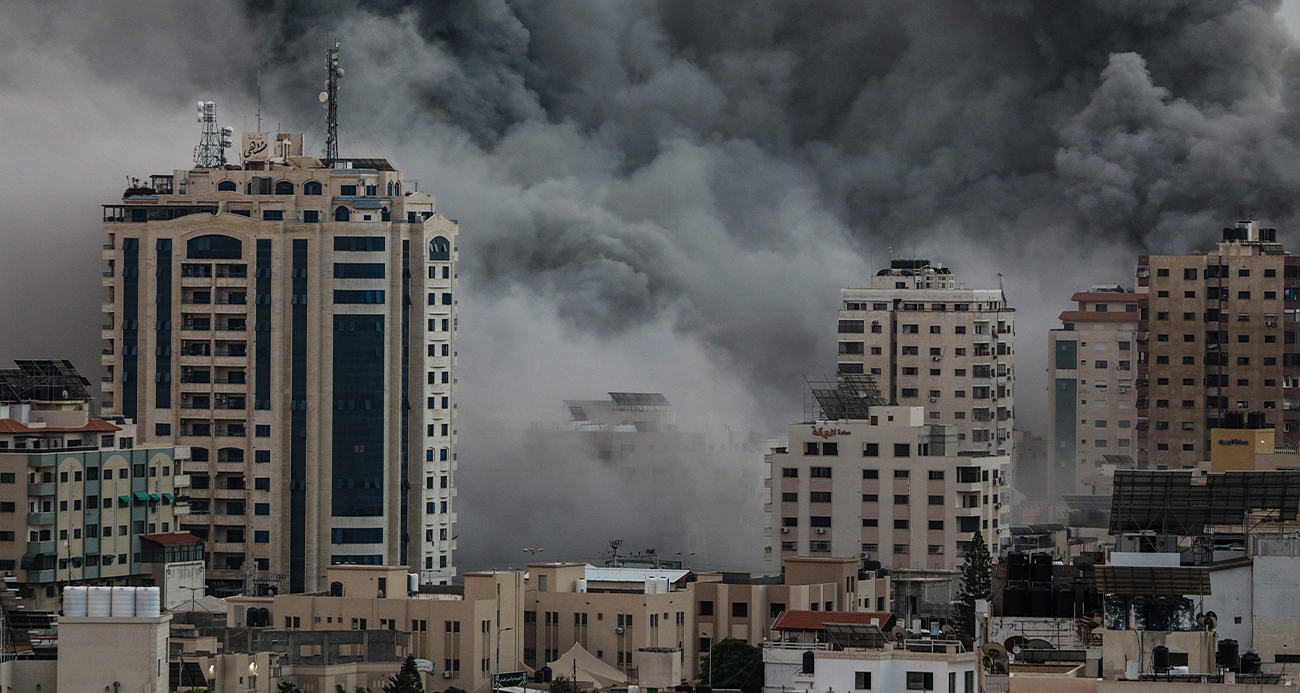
330	97
211	151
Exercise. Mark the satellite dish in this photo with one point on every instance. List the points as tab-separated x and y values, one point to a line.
324	97
228	130
338	71
209	104
200	107
1039	644
1084	562
898	634
994	650
1015	643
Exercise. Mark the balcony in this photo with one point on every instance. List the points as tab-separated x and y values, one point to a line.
181	481
41	519
46	489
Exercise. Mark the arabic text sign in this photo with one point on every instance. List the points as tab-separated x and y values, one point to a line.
255	147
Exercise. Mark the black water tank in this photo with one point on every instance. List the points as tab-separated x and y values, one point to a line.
704	688
1160	659
1227	655
1017	567
1139	612
336	589
1234	419
808	661
1250	663
1040	601
1041	570
683	688
1013	601
1115	609
1160	614
1268	235
1063	605
871	565
542	675
1255	420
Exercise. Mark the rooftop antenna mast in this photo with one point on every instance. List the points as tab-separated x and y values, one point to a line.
259	100
331	98
211	152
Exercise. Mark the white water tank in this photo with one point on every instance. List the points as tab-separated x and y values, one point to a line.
99	602
123	602
651	585
74	601
412	582
1132	670
665	585
148	602
582	584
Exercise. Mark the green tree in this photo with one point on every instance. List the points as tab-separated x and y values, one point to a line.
976	582
358	689
453	689
405	681
739	665
287	687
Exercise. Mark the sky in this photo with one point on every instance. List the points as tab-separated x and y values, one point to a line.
668	196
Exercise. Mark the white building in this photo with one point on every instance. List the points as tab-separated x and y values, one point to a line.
928	341
916	665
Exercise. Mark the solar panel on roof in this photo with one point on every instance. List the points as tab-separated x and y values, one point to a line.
1125	579
1169	503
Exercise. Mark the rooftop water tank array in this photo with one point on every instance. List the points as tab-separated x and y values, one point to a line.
114	602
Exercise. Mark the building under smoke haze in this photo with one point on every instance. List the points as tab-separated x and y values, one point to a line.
1217	346
932	343
1092	397
293	322
881	483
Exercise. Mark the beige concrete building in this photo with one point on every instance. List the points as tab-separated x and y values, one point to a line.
294	325
888	487
1217	346
1092	397
930	342
115	653
78	495
468	636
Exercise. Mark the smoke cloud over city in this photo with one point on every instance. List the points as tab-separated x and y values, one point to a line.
667	196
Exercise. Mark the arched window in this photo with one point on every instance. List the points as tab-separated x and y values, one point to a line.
390	188
341	213
385	215
214	247
227	186
397	188
439	249
284	187
311	187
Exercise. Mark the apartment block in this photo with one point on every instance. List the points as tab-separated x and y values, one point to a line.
930	342
79	496
1092	393
888	487
293	323
1217	346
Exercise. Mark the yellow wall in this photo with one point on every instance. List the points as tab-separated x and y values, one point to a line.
1234	449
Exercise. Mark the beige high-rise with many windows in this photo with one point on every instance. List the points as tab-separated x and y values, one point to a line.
930	342
294	324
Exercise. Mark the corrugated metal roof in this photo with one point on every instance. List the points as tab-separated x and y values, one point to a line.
595	574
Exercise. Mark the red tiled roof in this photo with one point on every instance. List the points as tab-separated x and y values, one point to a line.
172	538
1105	297
813	620
100	425
1094	316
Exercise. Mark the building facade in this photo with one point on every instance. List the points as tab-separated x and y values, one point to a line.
1217	345
294	325
929	342
77	494
889	487
1092	393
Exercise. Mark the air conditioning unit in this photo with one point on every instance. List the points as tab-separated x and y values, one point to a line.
446	674
821	530
618	630
785	530
934	358
934	399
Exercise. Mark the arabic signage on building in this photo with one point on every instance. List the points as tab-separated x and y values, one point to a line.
828	432
255	146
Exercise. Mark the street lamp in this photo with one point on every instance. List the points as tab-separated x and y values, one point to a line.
496	679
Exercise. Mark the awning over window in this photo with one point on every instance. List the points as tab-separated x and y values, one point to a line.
124	499
142	496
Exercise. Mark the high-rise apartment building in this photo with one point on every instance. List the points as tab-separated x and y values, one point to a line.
293	322
1217	344
929	342
880	482
1092	393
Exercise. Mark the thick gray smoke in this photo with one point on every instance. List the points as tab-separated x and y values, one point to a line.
668	195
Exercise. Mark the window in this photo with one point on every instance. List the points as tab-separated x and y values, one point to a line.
900	524
936	524
811	449
936	475
820	497
819	472
924	680
790	472
789	498
832	449
901	499
706	608
935	500
911	329
902	473
870	474
902	450
862	680
868	450
870	498
870	522
852	327
739	610
819	521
